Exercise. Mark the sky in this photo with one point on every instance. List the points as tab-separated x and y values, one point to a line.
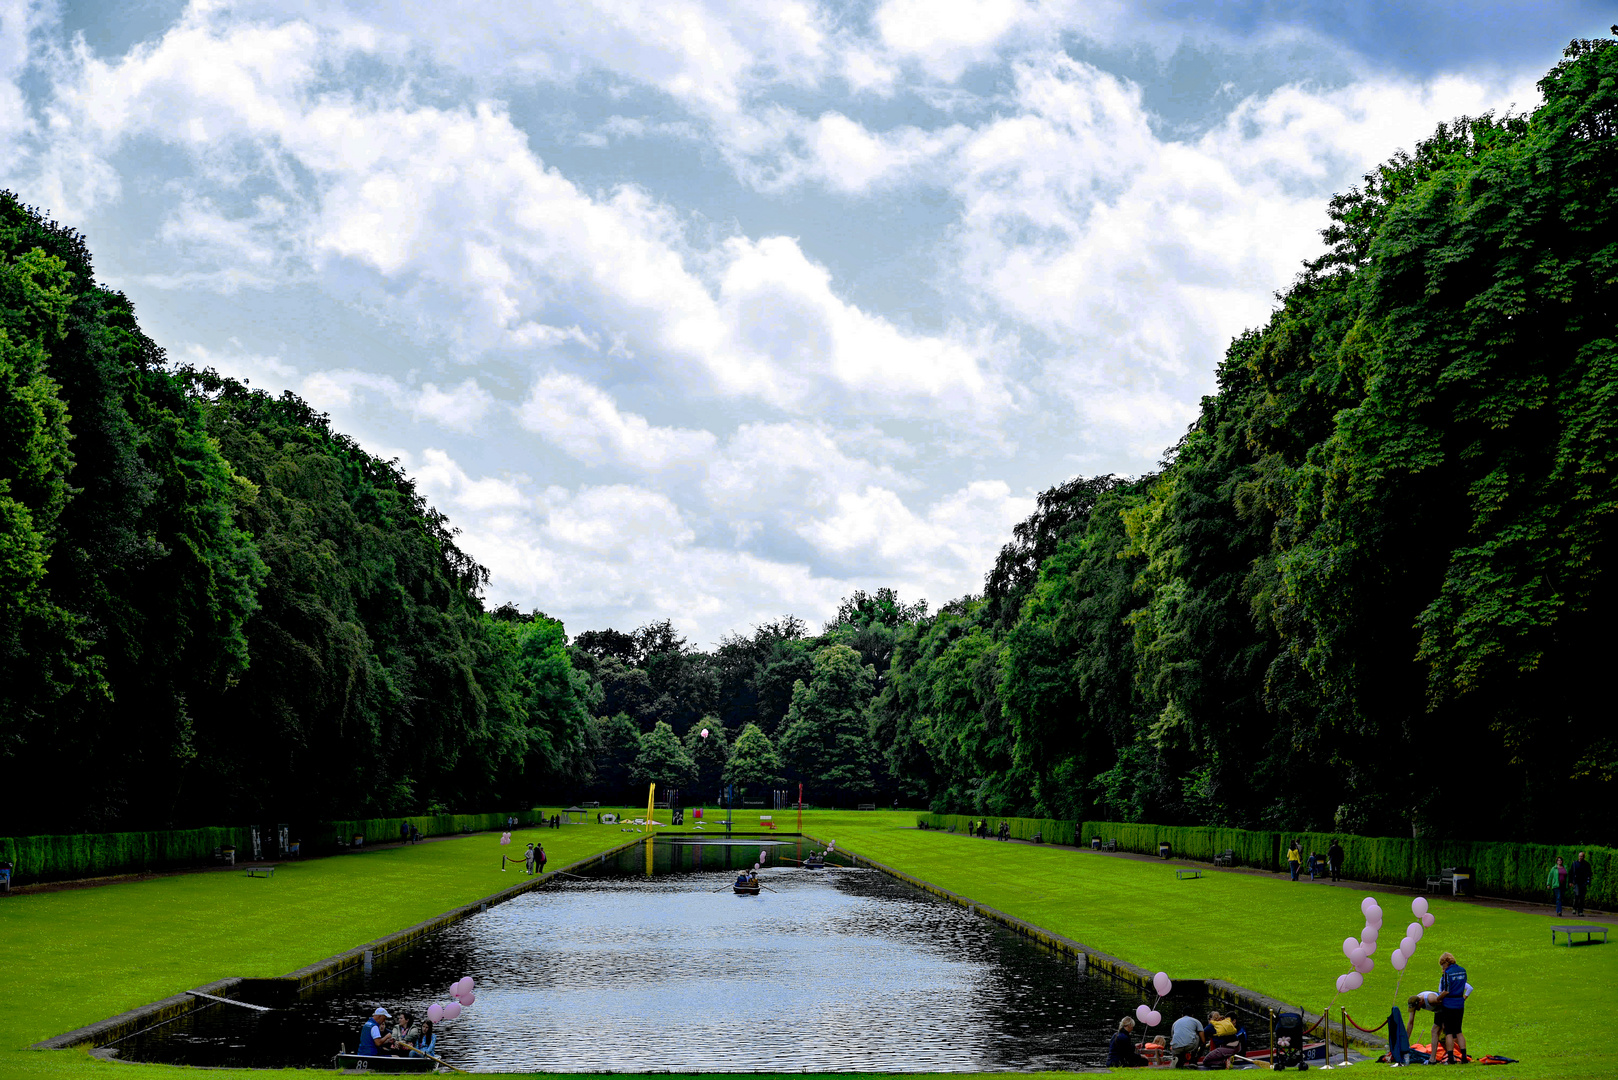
717	312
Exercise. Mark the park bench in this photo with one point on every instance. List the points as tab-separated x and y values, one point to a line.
1181	875
867	806
1445	879
1226	857
1587	931
590	805
226	855
1109	845
261	871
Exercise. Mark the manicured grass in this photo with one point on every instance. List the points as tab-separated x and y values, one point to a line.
78	956
1533	1002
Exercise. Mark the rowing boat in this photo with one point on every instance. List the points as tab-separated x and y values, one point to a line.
746	890
354	1063
815	862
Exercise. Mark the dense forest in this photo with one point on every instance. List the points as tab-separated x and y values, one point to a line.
1365	591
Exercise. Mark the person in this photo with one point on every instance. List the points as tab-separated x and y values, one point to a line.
1314	861
540	858
1005	830
375	1039
1557	880
1334	858
741	880
1185	1041
425	1042
404	832
1224	1041
1121	1051
1581	877
528	859
1295	859
405	1035
1451	1004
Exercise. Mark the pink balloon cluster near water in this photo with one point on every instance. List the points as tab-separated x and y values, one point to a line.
1148	1015
461	997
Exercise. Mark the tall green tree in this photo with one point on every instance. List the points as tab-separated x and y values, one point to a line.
824	742
663	759
709	747
753	760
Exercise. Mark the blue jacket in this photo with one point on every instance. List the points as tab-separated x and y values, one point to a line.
1452	988
367	1040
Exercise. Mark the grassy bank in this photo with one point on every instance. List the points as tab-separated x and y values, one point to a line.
77	956
1279	937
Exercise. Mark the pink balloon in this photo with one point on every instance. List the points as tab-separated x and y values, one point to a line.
1398	960
468	998
1349	945
452	1011
1366	905
1162	983
1370	933
1418	906
435	1012
1414	931
1353	981
704	733
1367	967
1356	954
1427	920
1407	946
469	984
1154	1018
1340	979
1142	1012
1369	947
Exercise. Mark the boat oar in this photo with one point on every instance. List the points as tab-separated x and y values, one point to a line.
441	1061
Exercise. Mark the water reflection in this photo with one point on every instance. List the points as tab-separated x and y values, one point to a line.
834	970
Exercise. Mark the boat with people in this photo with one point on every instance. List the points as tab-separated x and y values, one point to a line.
382	1063
815	862
749	889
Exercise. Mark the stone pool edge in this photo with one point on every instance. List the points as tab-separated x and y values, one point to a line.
170	1008
1088	957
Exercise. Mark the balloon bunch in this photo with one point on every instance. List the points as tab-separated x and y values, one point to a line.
1148	1014
463	997
1407	944
1359	950
505	838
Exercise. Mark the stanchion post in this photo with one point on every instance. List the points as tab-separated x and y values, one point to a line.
1344	1010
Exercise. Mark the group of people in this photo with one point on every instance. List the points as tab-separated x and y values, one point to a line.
1577	877
1331	862
1191	1041
747	879
980	829
1448	1006
380	1037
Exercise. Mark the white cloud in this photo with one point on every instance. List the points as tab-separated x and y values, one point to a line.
585	422
458	408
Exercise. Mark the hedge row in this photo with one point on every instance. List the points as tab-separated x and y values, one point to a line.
86	855
1503	869
58	858
1049	830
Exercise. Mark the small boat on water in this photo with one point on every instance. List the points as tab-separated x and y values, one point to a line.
354	1063
815	862
746	890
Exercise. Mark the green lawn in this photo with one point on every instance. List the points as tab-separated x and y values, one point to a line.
1540	1004
78	956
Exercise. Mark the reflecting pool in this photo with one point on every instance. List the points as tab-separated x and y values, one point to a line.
834	970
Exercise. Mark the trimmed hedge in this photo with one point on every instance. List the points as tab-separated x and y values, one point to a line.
87	855
57	858
1051	830
1516	871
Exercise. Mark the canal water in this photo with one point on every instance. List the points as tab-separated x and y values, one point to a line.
831	970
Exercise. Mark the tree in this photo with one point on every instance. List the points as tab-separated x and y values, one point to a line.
753	760
824	742
711	753
663	760
616	741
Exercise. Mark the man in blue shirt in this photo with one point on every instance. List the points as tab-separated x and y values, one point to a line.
375	1040
1451	1003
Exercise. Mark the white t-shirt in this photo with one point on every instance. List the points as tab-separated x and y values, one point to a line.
1185	1032
1429	998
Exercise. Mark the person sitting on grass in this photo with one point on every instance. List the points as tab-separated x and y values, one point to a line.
1185	1041
375	1038
1121	1051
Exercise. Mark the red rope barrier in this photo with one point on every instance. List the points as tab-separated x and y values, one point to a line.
1367	1030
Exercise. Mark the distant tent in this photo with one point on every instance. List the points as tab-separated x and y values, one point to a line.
573	815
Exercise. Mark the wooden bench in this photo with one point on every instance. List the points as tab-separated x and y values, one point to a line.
261	871
1109	845
1587	931
1181	875
867	806
1226	857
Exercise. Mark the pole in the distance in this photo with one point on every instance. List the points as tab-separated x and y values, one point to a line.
800	806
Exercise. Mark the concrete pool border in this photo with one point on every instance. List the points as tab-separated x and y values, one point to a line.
1087	957
128	1023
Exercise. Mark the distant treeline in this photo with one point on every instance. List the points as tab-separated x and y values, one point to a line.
1365	592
